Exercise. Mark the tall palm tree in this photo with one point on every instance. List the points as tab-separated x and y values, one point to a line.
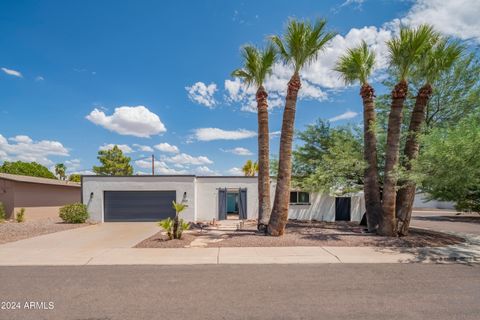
404	51
433	63
257	65
250	168
60	169
299	46
357	65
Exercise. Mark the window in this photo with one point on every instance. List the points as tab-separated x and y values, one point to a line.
299	197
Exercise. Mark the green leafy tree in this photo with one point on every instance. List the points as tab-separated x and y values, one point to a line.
448	165
357	65
338	167
75	177
257	65
60	170
32	169
113	163
299	46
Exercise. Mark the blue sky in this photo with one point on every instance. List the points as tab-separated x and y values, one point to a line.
154	76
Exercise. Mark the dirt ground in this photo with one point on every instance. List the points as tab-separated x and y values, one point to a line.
300	233
13	231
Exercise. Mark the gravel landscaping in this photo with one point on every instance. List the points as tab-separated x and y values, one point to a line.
300	233
12	231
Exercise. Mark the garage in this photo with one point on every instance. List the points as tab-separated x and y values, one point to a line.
138	205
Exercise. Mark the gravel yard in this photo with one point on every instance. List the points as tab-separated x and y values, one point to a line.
13	231
300	233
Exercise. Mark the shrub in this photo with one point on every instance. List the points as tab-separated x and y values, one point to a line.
20	217
74	213
167	225
2	213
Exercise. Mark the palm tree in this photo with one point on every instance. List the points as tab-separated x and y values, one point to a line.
357	65
257	65
60	169
404	51
299	46
250	168
433	63
178	207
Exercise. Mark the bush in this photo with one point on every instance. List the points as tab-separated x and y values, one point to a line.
2	213
74	213
20	217
167	225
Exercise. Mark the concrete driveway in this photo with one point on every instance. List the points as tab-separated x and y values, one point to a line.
76	246
447	220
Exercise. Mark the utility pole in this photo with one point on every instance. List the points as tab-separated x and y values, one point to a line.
153	165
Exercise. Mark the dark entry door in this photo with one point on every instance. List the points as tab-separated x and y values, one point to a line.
342	208
138	205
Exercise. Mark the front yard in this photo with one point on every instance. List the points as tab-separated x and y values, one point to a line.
300	233
12	231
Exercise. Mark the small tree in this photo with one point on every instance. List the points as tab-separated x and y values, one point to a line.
20	216
250	168
60	169
177	226
114	163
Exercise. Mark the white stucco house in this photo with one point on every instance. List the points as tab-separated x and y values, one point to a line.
149	198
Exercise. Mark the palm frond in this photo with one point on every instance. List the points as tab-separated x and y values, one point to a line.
257	64
356	65
406	49
302	42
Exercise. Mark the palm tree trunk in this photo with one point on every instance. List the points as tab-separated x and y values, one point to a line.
406	195
263	160
387	221
371	186
279	216
175	227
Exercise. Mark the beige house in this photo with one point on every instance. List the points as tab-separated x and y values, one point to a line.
40	197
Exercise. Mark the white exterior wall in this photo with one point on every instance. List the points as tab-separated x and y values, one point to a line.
321	208
99	184
422	202
202	196
207	195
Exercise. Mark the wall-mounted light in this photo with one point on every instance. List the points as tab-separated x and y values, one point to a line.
91	195
184	198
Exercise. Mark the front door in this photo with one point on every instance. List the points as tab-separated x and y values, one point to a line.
342	208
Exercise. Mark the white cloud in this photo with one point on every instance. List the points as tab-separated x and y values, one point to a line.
12	72
25	149
203	94
143	148
344	116
135	121
209	134
166	147
235	171
125	148
459	18
239	151
186	159
204	170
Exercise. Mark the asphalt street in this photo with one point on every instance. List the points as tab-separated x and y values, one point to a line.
325	291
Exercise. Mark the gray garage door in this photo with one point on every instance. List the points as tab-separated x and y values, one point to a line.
138	205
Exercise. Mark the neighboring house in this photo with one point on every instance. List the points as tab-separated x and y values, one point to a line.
41	197
149	198
421	202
